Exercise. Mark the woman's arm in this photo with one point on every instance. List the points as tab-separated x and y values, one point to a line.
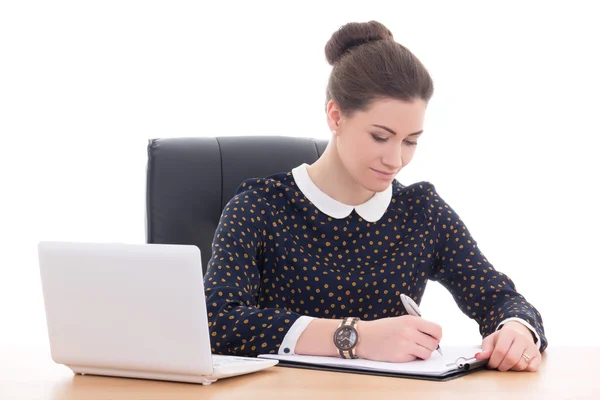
482	293
232	282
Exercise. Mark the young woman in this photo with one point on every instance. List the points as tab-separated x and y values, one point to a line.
314	260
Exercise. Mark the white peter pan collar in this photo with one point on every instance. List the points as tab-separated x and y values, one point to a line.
372	210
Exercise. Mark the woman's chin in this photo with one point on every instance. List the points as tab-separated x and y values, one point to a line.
379	185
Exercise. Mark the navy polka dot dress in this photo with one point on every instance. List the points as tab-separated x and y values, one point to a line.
276	257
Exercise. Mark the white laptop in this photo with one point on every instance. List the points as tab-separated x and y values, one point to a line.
132	310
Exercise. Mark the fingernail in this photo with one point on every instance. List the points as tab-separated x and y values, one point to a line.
477	355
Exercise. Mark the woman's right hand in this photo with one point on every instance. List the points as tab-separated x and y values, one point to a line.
397	339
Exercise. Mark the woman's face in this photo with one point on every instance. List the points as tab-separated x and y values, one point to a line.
375	144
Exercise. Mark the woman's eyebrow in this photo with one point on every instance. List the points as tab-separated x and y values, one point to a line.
392	131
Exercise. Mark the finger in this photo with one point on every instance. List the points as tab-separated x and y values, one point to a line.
523	363
534	359
489	342
487	346
534	364
426	341
420	352
501	347
429	328
513	358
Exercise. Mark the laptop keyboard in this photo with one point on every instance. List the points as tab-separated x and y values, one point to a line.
219	361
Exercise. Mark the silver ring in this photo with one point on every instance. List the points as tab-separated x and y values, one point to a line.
526	357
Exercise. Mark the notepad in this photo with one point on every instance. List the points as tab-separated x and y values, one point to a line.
456	361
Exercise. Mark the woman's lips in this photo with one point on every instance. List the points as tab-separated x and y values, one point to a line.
384	175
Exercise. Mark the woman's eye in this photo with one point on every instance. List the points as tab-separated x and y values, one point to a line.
379	138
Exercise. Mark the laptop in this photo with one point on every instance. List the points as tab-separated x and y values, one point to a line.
132	310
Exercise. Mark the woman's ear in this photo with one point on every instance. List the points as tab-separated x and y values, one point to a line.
334	115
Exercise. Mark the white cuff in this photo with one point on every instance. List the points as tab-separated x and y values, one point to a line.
288	346
537	337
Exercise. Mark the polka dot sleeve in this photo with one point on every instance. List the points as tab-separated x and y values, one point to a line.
238	326
482	293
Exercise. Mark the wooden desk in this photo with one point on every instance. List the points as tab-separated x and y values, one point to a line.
566	373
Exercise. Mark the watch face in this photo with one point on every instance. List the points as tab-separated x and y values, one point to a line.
345	338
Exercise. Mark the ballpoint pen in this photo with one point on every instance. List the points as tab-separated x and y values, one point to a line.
413	309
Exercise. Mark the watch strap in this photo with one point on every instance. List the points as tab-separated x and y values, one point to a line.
350	321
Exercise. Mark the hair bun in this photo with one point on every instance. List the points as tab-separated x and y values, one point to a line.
352	35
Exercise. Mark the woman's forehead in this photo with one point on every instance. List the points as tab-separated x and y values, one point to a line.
401	116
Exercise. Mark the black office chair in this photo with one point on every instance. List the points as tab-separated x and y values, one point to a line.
190	180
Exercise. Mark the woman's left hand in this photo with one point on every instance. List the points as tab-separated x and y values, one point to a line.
511	348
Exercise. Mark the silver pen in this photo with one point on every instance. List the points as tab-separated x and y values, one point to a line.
413	309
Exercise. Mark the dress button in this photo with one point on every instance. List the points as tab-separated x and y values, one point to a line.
286	350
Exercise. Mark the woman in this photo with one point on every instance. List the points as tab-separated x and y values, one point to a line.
313	261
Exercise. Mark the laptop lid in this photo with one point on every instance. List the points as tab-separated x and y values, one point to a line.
121	306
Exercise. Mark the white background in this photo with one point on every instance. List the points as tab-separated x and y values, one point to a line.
510	137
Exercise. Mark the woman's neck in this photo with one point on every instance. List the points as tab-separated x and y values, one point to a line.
330	176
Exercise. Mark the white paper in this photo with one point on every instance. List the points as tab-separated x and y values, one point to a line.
435	365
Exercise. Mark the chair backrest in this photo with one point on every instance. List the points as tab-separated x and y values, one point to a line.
190	180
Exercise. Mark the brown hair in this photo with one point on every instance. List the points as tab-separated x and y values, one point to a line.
369	65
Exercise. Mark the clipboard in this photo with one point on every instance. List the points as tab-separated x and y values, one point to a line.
457	361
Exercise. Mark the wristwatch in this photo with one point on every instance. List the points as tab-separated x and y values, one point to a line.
346	337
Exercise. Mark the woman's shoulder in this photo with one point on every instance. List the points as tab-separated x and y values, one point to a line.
421	195
270	191
417	189
266	186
